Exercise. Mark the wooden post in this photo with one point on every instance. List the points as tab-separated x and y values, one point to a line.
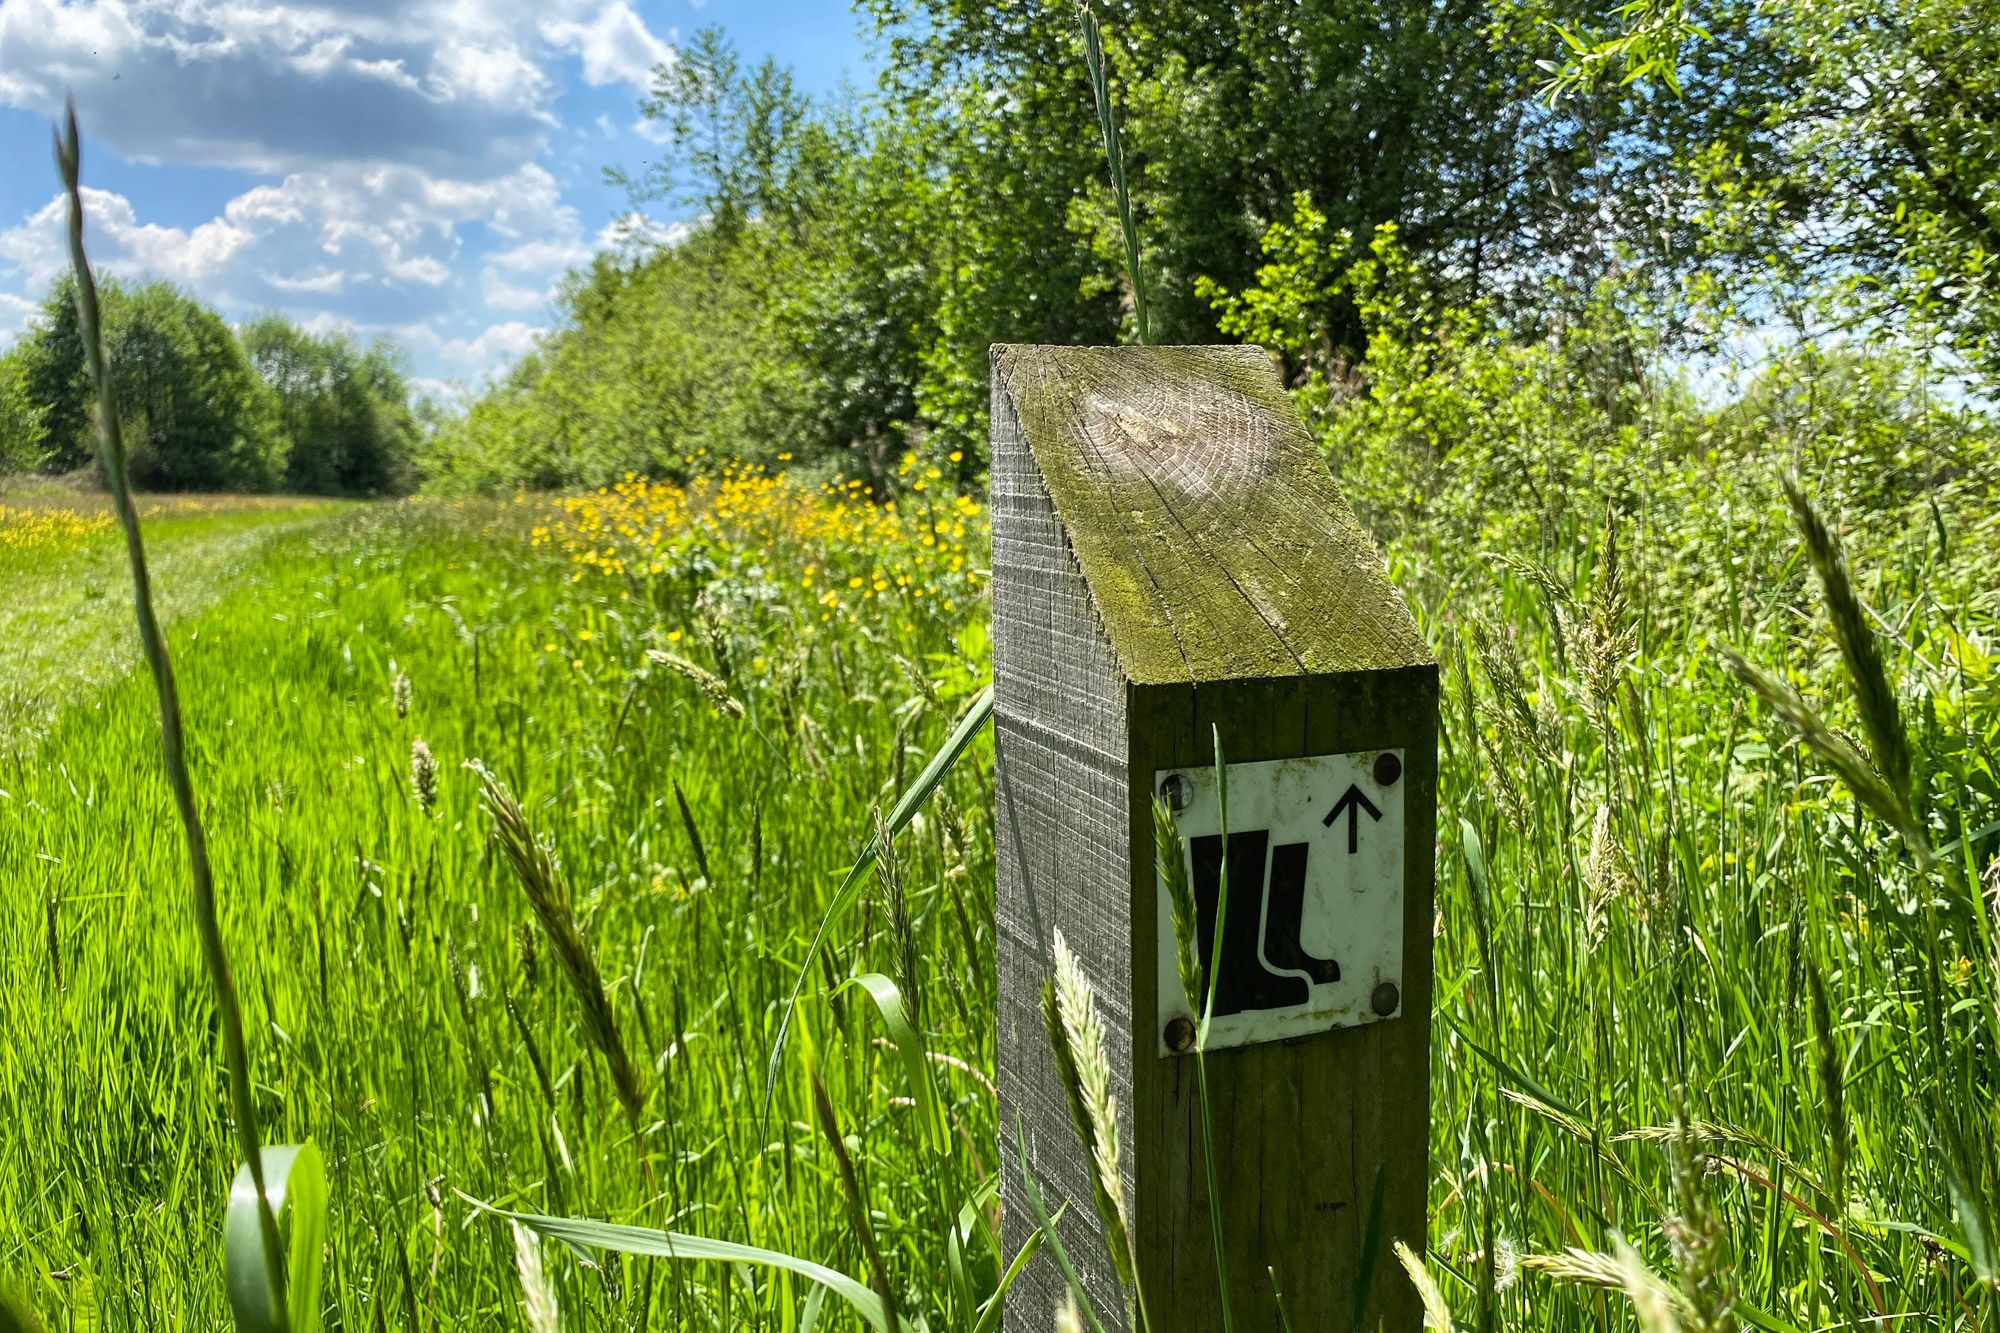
1170	557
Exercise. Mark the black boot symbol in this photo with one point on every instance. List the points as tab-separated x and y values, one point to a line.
1244	981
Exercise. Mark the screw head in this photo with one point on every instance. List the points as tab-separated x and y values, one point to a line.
1180	1033
1385	999
1176	791
1387	769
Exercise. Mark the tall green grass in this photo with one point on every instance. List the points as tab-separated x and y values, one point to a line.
1646	882
354	895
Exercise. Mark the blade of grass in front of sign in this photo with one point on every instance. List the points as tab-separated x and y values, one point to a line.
1201	1041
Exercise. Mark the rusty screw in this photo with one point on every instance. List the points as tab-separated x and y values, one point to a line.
1180	1033
1387	769
1176	791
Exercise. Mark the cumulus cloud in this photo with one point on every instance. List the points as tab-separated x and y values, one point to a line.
615	44
394	152
498	344
455	86
366	244
39	248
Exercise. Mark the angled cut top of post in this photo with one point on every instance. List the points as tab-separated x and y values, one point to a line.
1214	541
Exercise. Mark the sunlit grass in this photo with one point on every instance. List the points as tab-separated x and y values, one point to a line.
1644	883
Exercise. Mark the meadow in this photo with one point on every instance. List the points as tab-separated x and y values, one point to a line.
66	616
1655	904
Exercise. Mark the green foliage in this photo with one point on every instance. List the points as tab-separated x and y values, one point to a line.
22	434
790	320
197	418
1856	183
50	422
275	408
343	411
1883	198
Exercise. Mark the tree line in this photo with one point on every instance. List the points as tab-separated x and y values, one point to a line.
267	406
1824	171
1826	166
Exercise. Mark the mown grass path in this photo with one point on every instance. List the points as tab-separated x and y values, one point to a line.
65	591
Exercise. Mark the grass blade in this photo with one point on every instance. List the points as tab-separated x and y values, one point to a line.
1046	1227
910	1045
208	926
1968	1205
15	1316
850	885
590	1235
996	1305
857	1203
294	1194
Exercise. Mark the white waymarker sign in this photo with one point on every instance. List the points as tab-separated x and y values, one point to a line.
1312	935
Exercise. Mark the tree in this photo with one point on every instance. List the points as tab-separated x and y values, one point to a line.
54	428
196	415
21	432
343	412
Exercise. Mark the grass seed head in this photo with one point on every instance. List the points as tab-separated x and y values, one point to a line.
1607	874
538	1294
1427	1288
1873	695
1603	638
423	773
1869	786
399	693
1833	1088
1083	1066
1695	1236
534	865
1656	1304
1506	1264
711	686
1529	725
1586	1268
1170	852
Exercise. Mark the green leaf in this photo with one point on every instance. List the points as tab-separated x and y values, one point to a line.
1951	848
590	1235
996	1305
815	1302
850	885
1046	1227
1475	858
1762	1318
889	1003
295	1187
15	1316
1974	1214
1526	1083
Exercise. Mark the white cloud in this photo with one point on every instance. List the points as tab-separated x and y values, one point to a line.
615	44
498	344
364	241
15	312
394	148
120	243
459	87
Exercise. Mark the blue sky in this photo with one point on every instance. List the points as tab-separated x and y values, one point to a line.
425	168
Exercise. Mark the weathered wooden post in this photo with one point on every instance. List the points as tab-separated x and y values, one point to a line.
1170	556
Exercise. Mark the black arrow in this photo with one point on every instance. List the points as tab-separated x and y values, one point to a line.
1352	804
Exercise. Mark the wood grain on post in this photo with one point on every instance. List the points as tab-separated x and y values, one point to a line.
1170	556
